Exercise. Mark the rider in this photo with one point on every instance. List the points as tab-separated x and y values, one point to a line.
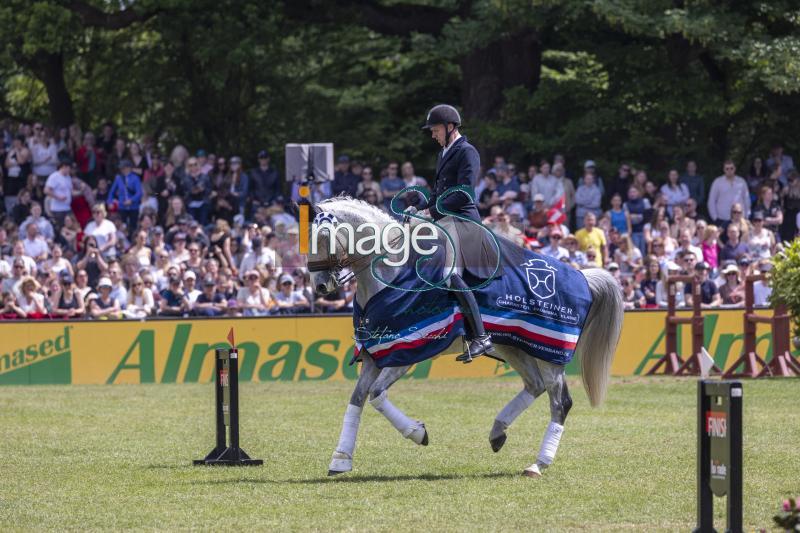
458	164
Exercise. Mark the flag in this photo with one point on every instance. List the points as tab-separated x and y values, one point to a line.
706	362
556	215
230	338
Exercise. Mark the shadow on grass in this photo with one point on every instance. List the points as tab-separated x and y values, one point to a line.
361	479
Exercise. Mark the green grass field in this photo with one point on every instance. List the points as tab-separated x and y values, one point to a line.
114	457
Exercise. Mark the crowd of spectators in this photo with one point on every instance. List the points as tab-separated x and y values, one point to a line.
106	227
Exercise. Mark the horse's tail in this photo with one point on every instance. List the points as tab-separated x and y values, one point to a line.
600	335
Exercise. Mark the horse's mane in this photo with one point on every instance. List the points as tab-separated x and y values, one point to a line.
354	211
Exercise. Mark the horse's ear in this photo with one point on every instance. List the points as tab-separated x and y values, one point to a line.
294	210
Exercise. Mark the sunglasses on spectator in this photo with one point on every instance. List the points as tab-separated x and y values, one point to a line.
730	168
194	249
138	284
252	276
736	212
555	237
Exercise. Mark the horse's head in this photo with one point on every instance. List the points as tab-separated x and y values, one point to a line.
327	255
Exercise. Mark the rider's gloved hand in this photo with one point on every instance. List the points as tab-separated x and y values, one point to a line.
408	211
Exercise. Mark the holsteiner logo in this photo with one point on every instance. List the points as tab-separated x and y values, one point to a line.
45	362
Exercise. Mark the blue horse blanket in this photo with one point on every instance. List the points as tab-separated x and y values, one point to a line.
534	302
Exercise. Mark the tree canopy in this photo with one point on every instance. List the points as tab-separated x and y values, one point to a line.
649	81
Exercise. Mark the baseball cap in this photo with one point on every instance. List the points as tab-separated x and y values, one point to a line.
200	153
125	163
757	215
66	277
236	159
286	278
104	282
180	236
701	265
589	163
189	274
613	266
343	159
538	197
263	154
209	282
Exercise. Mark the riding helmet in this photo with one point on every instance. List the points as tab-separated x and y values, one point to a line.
442	114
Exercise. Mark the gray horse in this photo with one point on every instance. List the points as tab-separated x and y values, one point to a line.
595	347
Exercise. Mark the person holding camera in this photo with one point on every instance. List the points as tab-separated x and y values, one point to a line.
92	260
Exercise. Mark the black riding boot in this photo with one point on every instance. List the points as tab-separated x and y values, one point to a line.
478	343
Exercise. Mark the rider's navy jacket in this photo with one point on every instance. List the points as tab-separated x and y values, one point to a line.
459	166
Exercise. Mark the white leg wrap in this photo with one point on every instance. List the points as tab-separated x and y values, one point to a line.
347	439
399	420
550	443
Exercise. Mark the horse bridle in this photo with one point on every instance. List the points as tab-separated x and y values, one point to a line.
336	265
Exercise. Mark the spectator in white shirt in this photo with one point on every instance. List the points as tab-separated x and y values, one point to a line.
18	253
45	227
554	248
35	245
45	154
258	258
761	289
548	185
118	290
190	287
727	190
685	245
103	230
58	189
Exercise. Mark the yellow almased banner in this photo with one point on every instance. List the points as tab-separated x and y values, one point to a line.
282	348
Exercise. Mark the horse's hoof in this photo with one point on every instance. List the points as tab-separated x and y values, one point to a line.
498	442
419	435
340	464
532	471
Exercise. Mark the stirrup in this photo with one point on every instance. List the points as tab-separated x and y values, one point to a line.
476	347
